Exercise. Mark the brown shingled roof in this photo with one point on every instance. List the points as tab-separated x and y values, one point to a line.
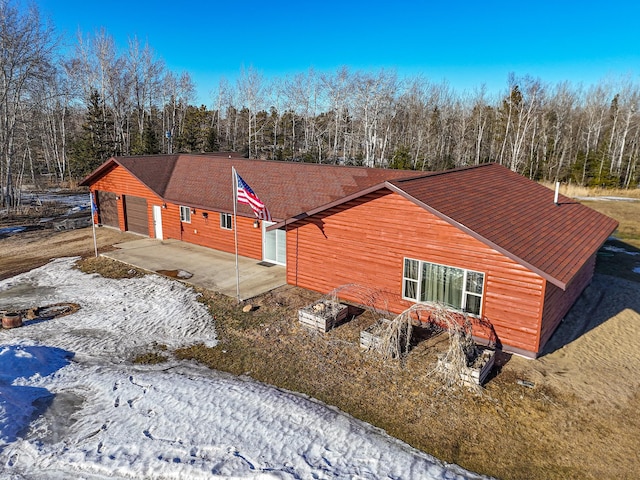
205	181
514	215
154	171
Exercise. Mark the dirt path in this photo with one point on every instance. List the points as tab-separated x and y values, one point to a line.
22	252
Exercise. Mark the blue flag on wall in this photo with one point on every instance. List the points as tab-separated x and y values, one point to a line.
94	207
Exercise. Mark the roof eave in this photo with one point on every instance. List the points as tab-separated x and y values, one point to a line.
335	203
98	172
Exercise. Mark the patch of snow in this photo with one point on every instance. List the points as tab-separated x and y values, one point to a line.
12	230
18	398
72	406
69	199
636	270
611	248
118	317
77	202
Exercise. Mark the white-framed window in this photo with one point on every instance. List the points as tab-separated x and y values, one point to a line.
456	288
226	221
185	214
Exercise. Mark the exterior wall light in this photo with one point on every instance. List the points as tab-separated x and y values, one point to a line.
256	223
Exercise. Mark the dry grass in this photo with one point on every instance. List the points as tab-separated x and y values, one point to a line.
573	191
508	430
626	213
624	257
150	358
109	268
21	253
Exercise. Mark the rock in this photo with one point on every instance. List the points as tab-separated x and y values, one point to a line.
319	307
184	274
247	308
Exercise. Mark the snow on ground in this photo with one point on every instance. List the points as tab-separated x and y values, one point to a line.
73	406
69	199
612	248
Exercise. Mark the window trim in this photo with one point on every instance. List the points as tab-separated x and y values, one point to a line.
226	219
185	214
418	285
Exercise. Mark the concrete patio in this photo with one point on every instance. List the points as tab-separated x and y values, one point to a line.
210	269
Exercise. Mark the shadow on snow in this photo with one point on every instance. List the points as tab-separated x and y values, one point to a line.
21	404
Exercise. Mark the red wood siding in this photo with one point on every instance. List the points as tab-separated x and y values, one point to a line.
201	231
557	302
122	183
365	241
208	233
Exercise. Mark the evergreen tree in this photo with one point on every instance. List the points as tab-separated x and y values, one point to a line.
150	138
94	144
212	144
401	159
194	136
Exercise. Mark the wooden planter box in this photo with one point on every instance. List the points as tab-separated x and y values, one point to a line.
480	367
323	315
371	337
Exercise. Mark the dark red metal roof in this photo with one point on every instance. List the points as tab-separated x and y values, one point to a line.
514	215
286	188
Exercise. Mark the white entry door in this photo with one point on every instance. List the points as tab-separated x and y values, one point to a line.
157	221
274	245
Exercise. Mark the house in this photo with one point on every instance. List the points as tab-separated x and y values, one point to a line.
481	239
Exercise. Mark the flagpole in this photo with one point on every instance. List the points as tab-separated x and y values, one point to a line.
235	227
93	222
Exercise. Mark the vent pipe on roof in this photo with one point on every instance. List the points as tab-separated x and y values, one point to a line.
555	197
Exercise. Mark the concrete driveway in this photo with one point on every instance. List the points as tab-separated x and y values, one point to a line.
209	268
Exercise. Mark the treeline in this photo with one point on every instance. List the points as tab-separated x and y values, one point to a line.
61	116
584	135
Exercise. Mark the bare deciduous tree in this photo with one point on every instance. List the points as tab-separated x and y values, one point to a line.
27	46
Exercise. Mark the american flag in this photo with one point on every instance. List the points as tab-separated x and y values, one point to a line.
248	196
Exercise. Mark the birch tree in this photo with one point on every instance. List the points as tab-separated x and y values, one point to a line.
251	88
27	47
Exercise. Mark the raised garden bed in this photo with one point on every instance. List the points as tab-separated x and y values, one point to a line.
371	337
323	315
479	365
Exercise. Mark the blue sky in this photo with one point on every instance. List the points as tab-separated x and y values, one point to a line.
466	43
